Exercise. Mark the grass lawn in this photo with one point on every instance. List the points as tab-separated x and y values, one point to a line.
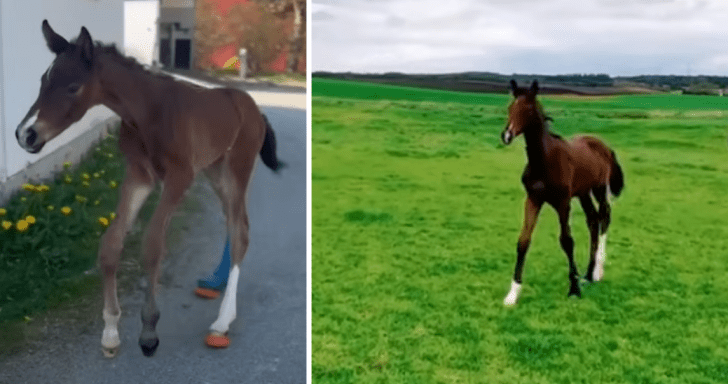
416	213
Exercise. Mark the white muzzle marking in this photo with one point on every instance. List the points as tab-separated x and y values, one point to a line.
23	130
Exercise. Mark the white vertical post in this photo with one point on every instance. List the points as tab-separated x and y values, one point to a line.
3	147
243	63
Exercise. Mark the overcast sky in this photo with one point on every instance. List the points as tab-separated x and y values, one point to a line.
625	37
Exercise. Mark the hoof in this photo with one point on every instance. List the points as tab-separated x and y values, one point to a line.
575	293
216	340
149	346
207	293
110	353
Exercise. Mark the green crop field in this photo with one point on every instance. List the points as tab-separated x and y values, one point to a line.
416	212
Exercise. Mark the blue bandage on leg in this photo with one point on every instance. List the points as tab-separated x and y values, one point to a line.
218	280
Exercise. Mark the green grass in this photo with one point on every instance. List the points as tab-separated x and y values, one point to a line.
416	212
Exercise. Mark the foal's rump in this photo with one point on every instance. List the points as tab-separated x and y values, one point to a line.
595	165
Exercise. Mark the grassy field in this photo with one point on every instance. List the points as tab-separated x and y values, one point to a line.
416	212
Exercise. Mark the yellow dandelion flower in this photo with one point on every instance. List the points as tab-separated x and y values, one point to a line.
7	224
42	188
104	221
81	199
102	172
86	176
29	187
85	184
66	210
3	211
112	184
110	155
30	219
68	179
21	225
97	202
67	165
23	198
50	207
112	215
96	175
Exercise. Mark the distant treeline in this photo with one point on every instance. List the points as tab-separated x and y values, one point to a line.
579	83
588	80
678	82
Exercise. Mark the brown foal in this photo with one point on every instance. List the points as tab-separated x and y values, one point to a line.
557	171
170	131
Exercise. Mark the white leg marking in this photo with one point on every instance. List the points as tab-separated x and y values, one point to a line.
110	338
512	297
600	258
227	308
138	197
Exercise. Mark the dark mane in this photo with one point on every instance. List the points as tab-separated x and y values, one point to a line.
547	124
128	62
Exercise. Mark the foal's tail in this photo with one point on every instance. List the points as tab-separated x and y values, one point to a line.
616	180
268	152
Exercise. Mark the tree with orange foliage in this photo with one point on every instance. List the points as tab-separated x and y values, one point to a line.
210	33
251	26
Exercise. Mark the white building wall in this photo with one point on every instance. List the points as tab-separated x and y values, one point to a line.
140	30
24	58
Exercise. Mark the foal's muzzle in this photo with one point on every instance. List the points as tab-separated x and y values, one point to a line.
29	140
506	136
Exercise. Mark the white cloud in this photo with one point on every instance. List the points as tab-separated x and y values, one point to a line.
558	36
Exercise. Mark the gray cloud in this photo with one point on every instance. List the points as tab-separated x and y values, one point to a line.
557	36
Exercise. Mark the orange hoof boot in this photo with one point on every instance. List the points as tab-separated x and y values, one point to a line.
207	293
216	340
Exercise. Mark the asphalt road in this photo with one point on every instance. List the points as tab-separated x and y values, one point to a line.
268	337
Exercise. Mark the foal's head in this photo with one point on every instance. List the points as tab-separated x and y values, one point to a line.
524	113
67	90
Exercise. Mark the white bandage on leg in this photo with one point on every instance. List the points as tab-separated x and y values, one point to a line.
227	308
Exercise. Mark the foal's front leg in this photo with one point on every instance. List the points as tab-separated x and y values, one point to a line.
532	209
135	189
175	184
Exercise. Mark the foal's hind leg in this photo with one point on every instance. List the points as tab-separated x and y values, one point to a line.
604	220
135	189
532	210
176	182
592	221
567	244
230	178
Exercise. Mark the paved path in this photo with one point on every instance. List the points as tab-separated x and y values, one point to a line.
268	338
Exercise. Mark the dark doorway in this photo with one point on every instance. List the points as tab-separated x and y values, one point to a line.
165	53
182	53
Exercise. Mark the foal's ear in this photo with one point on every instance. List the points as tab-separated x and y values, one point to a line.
534	87
514	88
86	45
56	43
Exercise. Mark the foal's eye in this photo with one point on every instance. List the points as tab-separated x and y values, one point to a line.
73	88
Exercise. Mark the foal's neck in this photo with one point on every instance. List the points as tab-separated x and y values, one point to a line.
125	88
536	135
